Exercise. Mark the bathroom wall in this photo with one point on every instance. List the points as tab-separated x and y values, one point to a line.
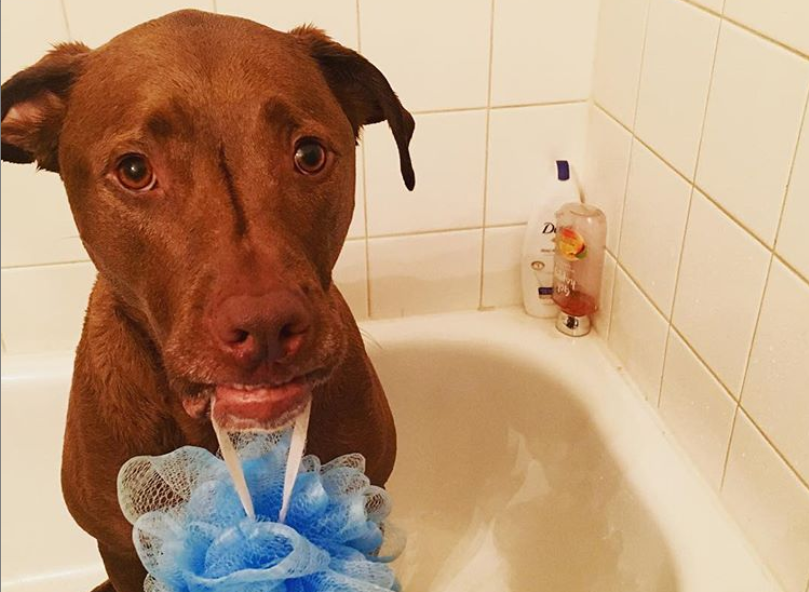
495	87
698	150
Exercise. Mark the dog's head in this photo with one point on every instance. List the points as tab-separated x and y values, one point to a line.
209	164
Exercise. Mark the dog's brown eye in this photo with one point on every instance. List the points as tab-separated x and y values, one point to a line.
310	157
134	172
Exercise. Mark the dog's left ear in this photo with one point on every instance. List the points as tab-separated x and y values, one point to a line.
363	92
34	103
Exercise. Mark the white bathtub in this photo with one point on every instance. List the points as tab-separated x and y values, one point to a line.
526	464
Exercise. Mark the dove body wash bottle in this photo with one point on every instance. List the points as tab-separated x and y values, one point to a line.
536	265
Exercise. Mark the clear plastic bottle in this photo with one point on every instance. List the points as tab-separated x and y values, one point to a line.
581	231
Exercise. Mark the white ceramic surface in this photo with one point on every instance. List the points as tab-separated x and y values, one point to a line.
525	463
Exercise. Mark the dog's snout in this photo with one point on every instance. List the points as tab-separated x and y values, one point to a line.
256	329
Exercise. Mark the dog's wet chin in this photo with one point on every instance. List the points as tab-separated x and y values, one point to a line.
251	407
246	407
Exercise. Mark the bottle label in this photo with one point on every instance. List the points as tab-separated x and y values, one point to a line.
570	244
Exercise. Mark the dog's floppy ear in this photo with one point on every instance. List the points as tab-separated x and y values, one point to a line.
34	102
362	90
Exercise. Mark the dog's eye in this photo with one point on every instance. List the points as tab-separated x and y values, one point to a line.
310	156
134	172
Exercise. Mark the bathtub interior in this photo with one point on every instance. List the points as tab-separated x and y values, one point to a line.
511	475
503	482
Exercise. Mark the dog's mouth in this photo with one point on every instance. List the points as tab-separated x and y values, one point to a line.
270	406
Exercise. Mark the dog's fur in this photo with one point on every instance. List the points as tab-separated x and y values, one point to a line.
216	104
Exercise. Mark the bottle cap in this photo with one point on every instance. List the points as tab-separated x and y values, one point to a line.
562	170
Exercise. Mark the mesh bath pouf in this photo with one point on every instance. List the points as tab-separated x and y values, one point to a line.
192	533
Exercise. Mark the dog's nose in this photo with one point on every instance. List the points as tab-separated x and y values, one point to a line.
267	328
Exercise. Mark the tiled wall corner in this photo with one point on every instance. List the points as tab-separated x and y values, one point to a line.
655	213
718	174
637	334
619	51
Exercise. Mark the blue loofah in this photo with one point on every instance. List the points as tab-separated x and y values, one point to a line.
192	534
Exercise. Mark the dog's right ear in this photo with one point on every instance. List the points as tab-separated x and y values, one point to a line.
363	92
34	102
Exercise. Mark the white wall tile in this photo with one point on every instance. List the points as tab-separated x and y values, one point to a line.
36	225
793	237
697	409
43	307
751	127
784	20
337	17
523	144
654	223
351	277
33	27
638	335
606	164
776	390
619	49
449	156
719	290
601	319
675	80
95	23
770	504
502	252
424	273
434	54
543	50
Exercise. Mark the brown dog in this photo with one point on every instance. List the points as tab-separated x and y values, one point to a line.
209	163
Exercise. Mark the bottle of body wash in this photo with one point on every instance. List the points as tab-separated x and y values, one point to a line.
536	267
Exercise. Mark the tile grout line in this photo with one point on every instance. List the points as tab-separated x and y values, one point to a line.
46	264
67	20
726	463
486	158
712	200
738	408
775	449
498	107
364	193
739	404
631	152
798	142
427	232
746	28
688	214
